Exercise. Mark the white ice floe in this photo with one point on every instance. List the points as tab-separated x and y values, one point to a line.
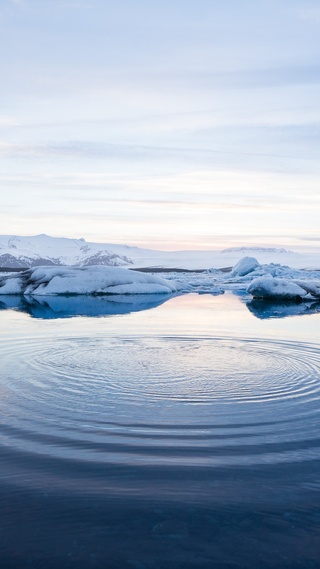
44	281
312	287
245	266
276	288
200	283
270	281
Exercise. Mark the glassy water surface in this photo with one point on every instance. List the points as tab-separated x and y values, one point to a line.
151	434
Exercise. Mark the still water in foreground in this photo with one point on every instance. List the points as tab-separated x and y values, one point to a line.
184	435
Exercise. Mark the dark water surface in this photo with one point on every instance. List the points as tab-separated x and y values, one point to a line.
184	435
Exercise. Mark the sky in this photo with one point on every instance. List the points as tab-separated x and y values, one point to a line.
172	124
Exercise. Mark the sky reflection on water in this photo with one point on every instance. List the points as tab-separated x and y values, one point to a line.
56	307
184	435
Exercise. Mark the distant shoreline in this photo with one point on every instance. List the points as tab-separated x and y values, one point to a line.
141	270
166	270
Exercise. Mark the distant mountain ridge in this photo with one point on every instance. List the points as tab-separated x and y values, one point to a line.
280	250
18	252
25	252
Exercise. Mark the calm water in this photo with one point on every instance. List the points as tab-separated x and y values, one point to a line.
183	434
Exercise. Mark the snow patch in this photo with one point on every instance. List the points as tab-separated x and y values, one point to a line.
268	250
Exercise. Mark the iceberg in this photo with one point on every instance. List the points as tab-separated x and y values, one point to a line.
276	288
96	280
261	281
311	287
245	266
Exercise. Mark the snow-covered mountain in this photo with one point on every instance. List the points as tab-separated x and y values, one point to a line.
256	250
22	252
40	250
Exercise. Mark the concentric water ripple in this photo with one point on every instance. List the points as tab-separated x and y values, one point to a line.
174	400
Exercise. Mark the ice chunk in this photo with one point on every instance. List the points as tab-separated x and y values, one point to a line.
44	281
244	266
11	284
276	288
312	287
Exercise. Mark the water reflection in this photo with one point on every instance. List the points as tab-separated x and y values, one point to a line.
186	437
265	309
52	307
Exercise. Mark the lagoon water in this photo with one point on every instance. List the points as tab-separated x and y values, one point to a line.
144	434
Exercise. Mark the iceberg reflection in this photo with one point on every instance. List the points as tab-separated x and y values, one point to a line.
51	307
265	309
54	307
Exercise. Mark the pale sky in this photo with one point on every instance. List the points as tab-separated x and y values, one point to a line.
172	124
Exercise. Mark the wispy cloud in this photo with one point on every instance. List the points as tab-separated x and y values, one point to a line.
187	122
234	155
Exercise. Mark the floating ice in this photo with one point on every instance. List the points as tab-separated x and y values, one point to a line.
276	288
263	281
42	281
244	266
312	287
